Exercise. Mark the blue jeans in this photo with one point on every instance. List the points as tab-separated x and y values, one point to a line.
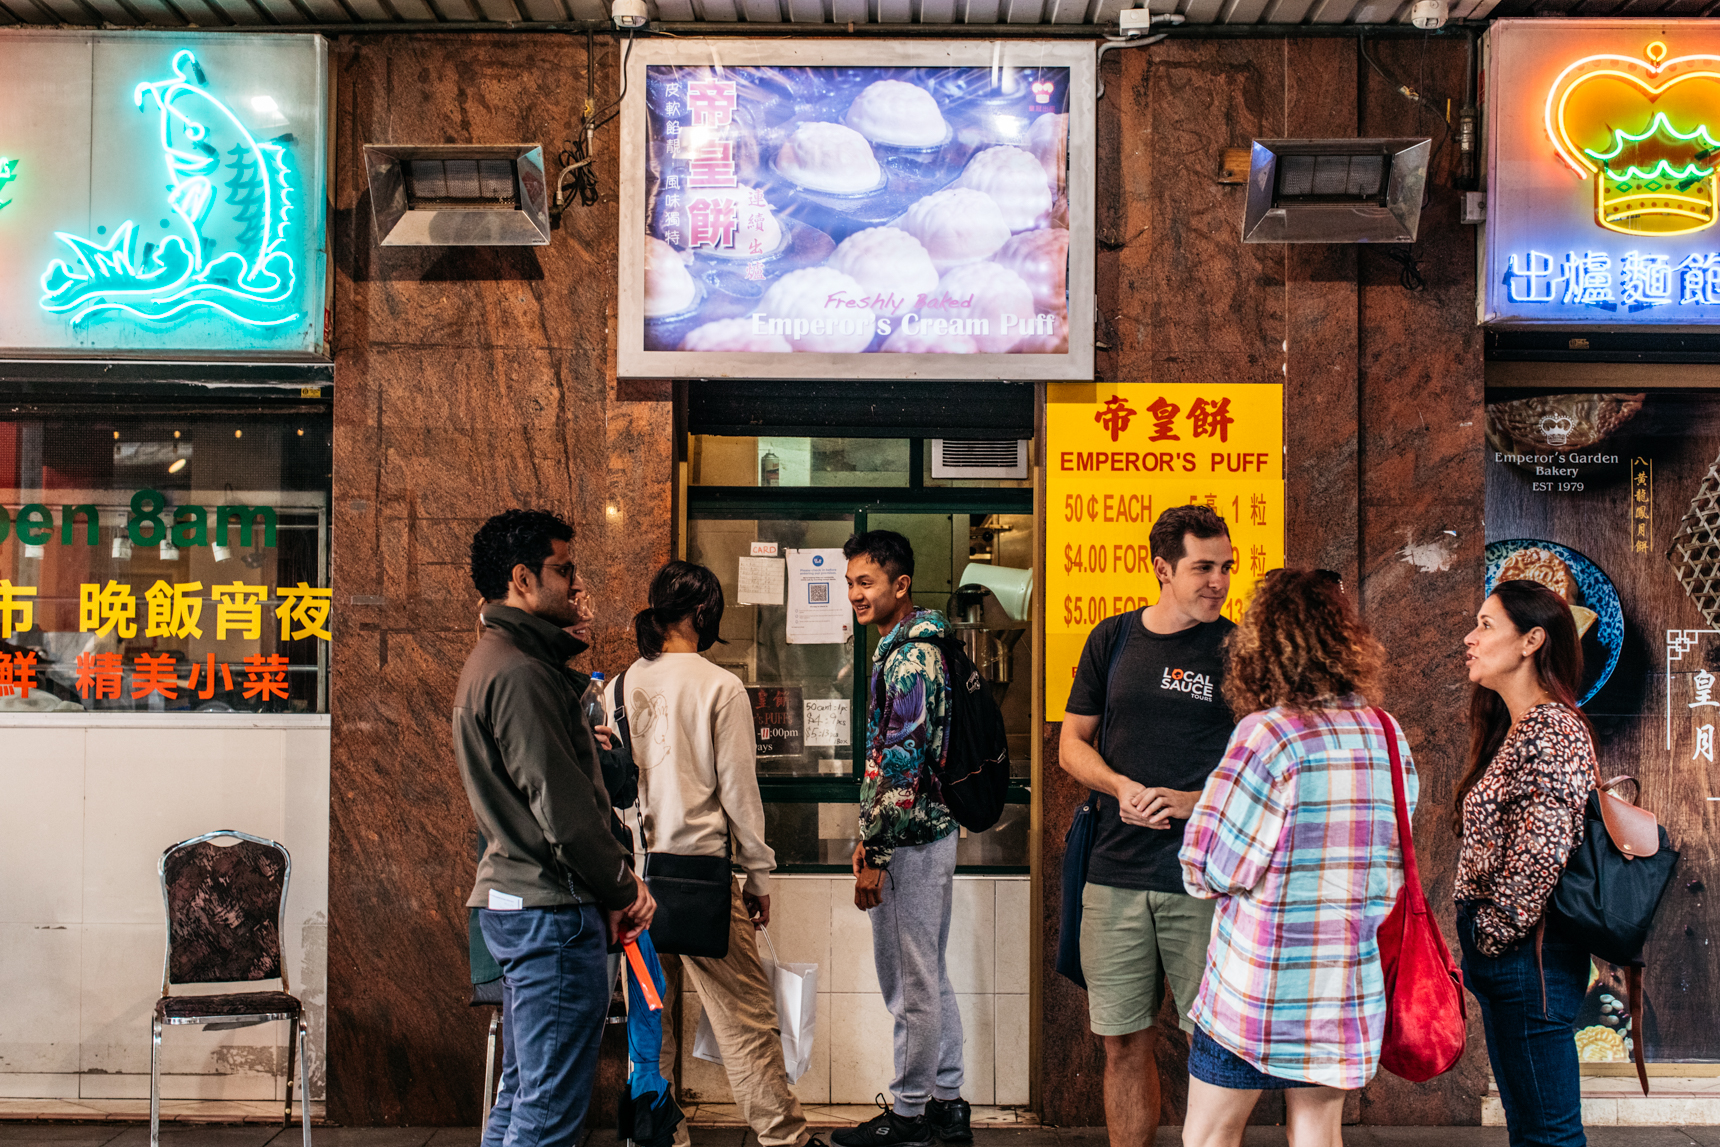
1534	1054
554	991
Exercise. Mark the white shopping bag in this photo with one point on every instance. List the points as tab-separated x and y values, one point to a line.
796	990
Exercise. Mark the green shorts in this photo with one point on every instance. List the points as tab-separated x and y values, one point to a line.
1132	941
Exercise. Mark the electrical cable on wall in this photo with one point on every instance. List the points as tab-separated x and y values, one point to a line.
1409	269
1131	39
578	177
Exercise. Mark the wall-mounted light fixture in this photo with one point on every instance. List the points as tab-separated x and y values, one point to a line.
455	195
1335	190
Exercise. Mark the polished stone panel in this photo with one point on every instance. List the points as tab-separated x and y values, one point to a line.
468	380
1382	425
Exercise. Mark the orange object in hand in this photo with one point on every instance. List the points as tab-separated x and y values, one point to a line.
643	975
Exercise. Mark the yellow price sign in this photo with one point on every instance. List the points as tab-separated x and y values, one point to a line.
1119	455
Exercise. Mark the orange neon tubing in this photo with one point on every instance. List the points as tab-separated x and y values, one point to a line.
1563	145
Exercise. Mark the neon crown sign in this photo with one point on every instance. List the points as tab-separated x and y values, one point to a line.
231	200
1641	128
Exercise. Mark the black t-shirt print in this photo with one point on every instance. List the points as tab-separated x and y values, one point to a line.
1169	727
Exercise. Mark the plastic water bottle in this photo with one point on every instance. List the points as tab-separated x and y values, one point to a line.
593	701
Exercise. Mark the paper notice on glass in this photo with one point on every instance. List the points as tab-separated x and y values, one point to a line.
818	611
826	722
761	581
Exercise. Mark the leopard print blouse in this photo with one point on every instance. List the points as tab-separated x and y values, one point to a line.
1521	821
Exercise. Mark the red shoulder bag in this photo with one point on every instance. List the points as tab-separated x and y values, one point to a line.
1425	1027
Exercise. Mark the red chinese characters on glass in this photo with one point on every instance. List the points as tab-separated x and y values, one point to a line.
17	673
265	677
100	672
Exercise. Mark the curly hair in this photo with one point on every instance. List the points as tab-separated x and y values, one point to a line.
1300	645
513	538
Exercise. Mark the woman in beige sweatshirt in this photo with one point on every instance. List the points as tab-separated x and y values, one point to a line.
691	728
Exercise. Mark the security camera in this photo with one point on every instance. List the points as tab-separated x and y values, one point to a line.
632	14
1426	15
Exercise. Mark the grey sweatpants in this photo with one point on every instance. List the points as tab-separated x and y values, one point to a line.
910	932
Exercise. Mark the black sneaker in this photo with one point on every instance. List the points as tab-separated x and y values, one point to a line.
887	1129
950	1119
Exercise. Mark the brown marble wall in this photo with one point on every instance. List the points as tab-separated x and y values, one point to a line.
1382	424
468	380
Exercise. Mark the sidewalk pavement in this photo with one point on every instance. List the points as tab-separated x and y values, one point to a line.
61	1134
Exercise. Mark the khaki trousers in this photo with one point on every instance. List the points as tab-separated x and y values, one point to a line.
742	1005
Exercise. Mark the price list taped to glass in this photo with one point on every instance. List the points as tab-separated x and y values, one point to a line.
1117	456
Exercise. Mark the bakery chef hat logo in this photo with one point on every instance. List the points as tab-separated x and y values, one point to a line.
1556	428
1042	90
1644	129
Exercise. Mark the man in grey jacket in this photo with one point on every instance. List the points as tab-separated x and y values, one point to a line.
553	885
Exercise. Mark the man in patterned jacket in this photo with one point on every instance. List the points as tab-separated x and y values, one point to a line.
905	863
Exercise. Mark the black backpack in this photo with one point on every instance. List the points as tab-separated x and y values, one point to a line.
1606	897
973	781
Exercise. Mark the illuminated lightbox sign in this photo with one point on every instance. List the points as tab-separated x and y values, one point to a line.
1603	140
163	194
880	210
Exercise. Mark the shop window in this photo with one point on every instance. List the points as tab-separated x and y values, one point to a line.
165	563
974	548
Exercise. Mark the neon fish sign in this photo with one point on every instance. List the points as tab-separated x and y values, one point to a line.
232	201
1641	127
8	172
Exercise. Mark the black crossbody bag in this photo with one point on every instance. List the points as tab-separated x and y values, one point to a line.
694	894
1078	843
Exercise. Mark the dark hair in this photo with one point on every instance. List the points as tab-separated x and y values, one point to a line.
1300	645
889	550
1558	663
514	538
679	591
1166	538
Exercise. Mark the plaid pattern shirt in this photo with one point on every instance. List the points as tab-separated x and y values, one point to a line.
1296	836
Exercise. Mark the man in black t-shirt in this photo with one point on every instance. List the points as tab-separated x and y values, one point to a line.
1146	722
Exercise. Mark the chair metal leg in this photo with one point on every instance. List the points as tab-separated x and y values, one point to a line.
490	1066
154	1081
304	1085
292	1034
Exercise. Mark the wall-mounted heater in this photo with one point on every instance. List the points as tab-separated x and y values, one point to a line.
1335	190
455	195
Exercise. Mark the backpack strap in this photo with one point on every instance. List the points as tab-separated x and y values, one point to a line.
621	728
1118	644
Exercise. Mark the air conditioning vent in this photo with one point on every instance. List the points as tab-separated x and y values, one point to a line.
979	458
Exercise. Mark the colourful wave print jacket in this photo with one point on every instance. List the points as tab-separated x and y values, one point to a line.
905	730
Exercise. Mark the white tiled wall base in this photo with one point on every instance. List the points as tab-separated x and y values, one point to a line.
88	811
814	921
1610	1101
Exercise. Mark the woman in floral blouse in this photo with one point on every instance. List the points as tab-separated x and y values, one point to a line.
1519	811
1295	834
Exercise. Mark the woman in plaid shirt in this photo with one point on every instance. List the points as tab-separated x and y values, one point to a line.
1295	836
